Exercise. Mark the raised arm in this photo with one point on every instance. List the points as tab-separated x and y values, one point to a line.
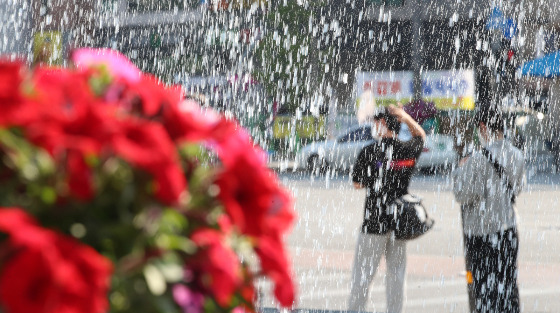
415	129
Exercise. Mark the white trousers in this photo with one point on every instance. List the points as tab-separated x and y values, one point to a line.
369	250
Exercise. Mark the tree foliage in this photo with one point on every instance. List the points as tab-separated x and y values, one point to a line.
286	61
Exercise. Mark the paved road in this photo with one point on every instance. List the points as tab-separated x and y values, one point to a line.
322	246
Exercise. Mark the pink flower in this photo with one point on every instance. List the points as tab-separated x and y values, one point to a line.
238	310
188	300
119	65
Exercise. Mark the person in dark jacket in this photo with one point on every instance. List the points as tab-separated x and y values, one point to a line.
384	168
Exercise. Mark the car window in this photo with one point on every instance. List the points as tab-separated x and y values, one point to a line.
364	134
346	138
360	134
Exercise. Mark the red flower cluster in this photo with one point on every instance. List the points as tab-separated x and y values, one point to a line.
256	204
95	111
260	208
43	271
63	115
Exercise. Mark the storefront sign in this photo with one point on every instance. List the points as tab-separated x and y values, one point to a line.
447	89
387	87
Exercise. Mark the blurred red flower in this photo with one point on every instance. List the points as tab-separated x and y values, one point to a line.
260	208
10	81
95	112
48	272
153	94
217	264
252	197
170	183
69	116
185	121
146	144
274	264
71	124
61	95
79	176
78	121
15	109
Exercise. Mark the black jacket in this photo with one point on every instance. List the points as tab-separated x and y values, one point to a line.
385	169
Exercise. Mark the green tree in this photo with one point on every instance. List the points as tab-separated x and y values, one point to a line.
287	62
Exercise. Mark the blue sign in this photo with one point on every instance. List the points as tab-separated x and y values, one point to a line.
497	21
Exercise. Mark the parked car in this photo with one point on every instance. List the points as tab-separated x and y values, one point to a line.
438	153
341	153
336	154
535	135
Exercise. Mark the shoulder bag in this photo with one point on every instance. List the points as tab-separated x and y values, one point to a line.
410	218
500	171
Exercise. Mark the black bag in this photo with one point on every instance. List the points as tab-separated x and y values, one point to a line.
410	218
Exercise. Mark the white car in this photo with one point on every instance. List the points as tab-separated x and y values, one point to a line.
336	154
438	153
340	154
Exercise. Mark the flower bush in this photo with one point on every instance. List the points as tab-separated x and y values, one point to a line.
119	195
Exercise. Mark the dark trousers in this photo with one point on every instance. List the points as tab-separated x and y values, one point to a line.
491	262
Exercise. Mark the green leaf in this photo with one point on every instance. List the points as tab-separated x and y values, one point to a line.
173	219
48	195
179	243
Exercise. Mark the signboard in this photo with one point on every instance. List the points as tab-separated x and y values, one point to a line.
453	89
306	127
387	87
47	48
282	127
449	89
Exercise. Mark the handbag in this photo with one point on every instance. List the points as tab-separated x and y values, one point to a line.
411	219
